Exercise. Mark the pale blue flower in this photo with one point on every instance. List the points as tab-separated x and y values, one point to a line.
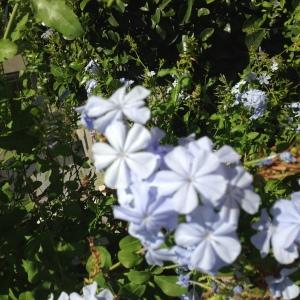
92	67
264	79
286	219
255	101
183	280
287	157
282	286
124	155
90	85
189	176
126	82
89	293
275	65
236	88
148	215
238	289
215	241
240	192
120	105
47	34
262	239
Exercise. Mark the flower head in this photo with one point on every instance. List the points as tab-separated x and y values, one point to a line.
214	240
124	155
119	106
282	286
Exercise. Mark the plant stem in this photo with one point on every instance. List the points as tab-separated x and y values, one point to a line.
115	266
11	19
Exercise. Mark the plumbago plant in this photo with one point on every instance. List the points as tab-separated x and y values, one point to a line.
195	193
183	203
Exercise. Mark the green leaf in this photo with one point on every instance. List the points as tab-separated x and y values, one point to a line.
203	12
253	40
16	34
139	277
56	14
253	24
129	259
27	296
155	18
252	135
112	21
83	4
31	268
206	33
188	12
210	1
168	285
132	291
8	49
165	72
130	244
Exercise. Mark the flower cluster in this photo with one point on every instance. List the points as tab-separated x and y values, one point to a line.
190	194
157	183
250	92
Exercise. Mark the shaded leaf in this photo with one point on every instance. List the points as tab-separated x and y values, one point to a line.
168	285
8	49
56	14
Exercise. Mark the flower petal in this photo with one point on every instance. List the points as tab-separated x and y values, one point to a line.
188	235
116	135
212	187
117	175
179	160
137	94
142	164
137	114
103	154
138	138
227	248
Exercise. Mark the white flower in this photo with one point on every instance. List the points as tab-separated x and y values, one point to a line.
239	191
89	293
124	155
150	73
214	240
189	176
117	107
275	65
282	286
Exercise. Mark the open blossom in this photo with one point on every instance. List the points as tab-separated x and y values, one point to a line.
255	100
262	239
264	79
214	240
240	192
187	176
89	293
286	219
120	105
283	233
148	214
124	154
282	286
